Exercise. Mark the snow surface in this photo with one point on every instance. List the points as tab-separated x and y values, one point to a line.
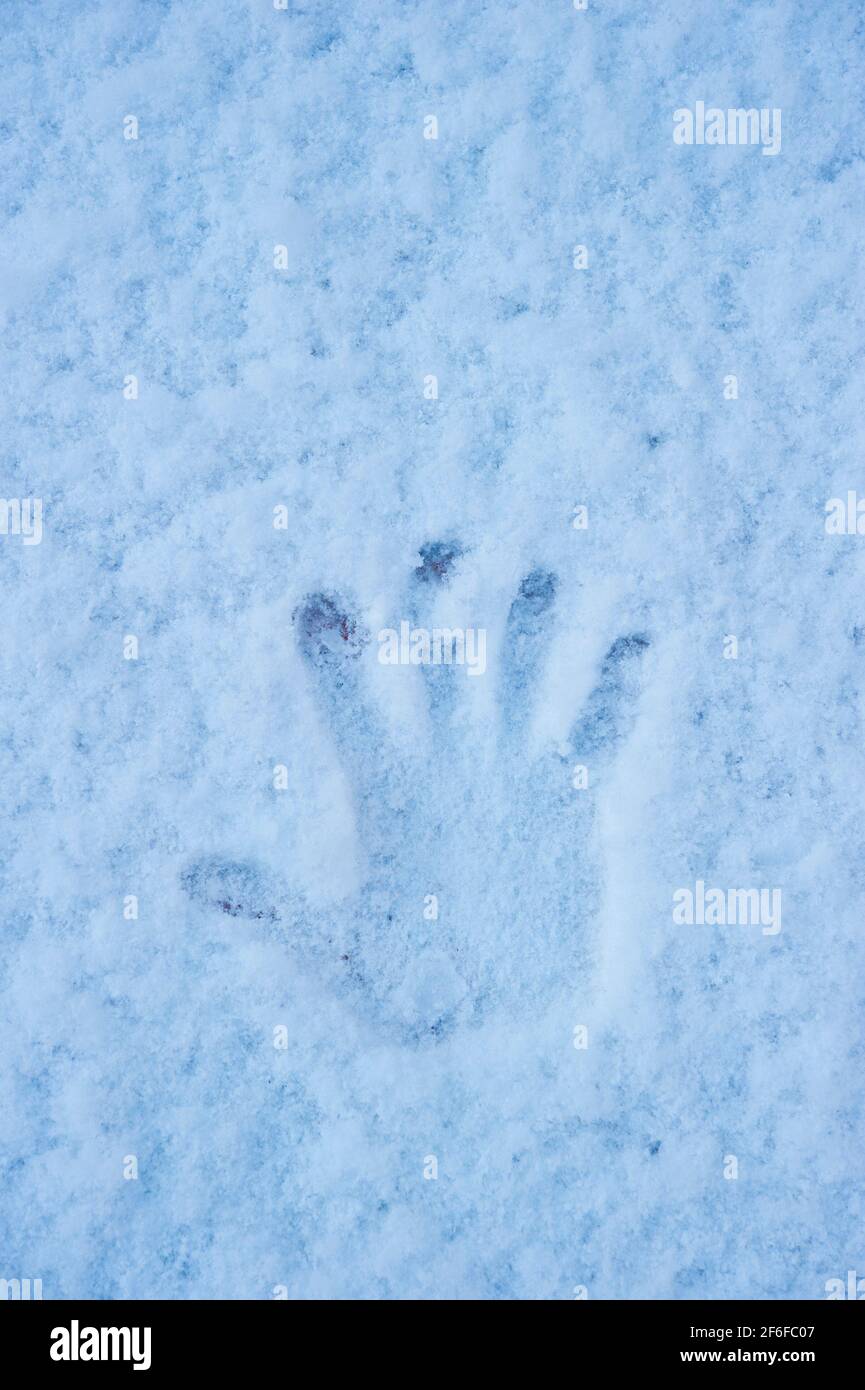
560	1168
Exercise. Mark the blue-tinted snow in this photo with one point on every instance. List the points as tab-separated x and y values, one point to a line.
408	1036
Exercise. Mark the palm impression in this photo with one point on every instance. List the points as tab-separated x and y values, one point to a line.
482	875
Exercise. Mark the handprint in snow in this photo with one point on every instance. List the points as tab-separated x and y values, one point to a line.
437	933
